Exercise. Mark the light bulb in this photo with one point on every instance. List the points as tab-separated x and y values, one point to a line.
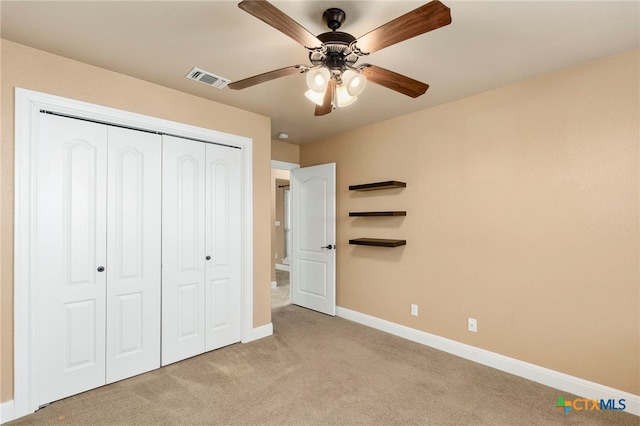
355	82
318	78
344	98
315	97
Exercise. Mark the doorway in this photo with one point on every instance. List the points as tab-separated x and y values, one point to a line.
280	233
311	271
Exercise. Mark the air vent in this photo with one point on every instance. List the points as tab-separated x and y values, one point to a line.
207	78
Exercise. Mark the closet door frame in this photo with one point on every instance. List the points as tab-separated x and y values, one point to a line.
28	105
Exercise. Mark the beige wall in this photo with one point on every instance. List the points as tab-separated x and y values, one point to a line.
36	70
284	151
522	212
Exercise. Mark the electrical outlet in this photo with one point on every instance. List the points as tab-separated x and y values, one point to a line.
414	310
473	325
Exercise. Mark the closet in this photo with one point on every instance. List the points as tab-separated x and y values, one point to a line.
98	198
201	234
137	258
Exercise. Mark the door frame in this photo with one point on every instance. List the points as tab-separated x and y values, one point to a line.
28	105
279	165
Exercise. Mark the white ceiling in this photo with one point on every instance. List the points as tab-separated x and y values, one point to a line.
487	45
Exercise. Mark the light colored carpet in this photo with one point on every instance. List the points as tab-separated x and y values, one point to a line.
321	370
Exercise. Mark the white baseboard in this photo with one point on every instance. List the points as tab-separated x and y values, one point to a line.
260	332
545	376
7	412
282	267
274	284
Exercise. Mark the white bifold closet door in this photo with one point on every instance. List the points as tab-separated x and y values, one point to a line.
201	251
134	240
97	256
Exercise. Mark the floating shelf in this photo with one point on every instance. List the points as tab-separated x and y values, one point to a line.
389	213
379	242
378	185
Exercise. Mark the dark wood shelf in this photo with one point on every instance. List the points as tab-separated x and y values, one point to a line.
378	185
379	242
389	213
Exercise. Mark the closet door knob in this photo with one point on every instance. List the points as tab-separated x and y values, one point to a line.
208	257
100	268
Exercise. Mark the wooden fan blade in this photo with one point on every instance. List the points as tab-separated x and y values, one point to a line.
426	18
394	81
273	16
267	76
327	104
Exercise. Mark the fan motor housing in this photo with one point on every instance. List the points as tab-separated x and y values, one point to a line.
336	37
338	53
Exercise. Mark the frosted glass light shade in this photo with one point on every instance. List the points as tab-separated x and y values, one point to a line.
354	82
315	97
343	97
317	79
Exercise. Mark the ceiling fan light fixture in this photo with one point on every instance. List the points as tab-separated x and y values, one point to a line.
315	97
317	79
333	74
354	82
343	97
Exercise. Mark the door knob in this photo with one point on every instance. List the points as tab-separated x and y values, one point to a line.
100	268
328	247
208	257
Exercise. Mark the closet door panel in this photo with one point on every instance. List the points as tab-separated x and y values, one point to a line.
183	249
70	241
134	255
223	229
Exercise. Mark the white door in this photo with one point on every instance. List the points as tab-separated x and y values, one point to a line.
98	255
313	216
183	253
133	252
223	236
71	245
201	256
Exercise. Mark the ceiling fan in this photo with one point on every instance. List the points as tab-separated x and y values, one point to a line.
333	78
